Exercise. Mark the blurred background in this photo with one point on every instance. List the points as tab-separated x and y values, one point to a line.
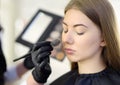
16	14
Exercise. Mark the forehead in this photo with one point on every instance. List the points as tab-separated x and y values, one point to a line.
74	16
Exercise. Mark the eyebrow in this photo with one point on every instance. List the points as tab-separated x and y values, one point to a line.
64	23
76	25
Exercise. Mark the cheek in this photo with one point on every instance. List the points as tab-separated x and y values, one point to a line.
87	46
90	41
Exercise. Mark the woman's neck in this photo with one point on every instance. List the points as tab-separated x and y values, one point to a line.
90	66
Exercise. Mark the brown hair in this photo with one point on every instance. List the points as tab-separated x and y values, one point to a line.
102	14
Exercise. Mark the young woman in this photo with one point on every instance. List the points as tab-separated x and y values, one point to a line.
91	44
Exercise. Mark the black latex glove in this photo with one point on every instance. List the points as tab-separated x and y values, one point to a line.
28	63
40	57
42	72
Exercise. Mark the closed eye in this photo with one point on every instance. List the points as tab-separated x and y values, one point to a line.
80	33
65	29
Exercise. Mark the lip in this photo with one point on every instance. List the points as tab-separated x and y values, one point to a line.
69	51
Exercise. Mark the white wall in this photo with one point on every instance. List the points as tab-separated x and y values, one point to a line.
15	14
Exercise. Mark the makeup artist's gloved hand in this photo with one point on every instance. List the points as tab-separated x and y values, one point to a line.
40	57
28	63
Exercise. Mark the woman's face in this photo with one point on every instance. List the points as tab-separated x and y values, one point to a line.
81	38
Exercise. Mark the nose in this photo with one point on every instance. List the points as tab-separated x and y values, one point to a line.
67	37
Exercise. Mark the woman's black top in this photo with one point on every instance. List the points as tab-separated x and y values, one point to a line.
105	77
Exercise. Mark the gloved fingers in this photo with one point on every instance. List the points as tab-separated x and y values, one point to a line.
28	63
45	67
45	48
42	72
34	57
40	44
37	57
47	59
43	56
42	50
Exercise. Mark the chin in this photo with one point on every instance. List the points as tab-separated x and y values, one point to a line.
75	58
72	59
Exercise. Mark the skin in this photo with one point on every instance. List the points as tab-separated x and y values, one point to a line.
31	81
21	70
82	42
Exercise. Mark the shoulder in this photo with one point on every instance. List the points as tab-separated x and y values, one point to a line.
112	76
113	72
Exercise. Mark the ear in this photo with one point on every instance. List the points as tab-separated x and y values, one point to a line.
103	43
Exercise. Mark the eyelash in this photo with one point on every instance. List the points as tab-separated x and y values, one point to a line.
66	30
76	32
80	33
